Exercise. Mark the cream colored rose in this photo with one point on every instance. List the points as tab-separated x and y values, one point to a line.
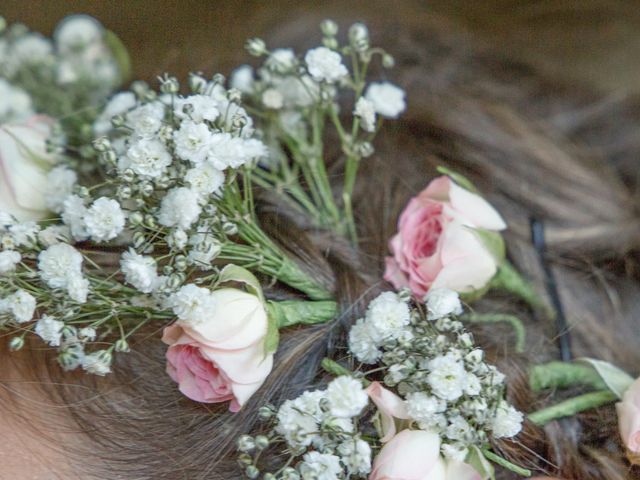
24	164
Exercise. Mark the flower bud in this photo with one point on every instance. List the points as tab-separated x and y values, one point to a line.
230	228
269	476
290	474
140	88
69	331
146	189
128	175
266	412
365	149
122	346
359	37
136	218
109	157
124	193
256	47
329	28
262	442
167	269
169	85
245	459
102	144
197	83
180	263
150	221
388	61
83	192
330	42
118	121
245	443
234	95
139	239
16	343
252	471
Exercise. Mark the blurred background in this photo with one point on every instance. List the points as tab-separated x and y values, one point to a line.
590	42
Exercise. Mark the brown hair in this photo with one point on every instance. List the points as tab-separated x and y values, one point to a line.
527	142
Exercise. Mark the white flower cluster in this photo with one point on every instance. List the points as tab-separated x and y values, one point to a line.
320	427
432	361
77	62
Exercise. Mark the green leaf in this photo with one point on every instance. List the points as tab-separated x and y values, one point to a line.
120	53
460	179
480	464
493	242
234	273
617	380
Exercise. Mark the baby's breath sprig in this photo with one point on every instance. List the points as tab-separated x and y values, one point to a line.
297	101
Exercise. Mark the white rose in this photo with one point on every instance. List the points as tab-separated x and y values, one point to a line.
24	164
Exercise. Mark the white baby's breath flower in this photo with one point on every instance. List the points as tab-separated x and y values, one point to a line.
97	363
205	179
367	113
193	141
60	183
387	99
325	65
507	421
298	419
146	120
22	305
73	213
424	408
272	98
177	239
24	234
15	103
362	343
104	220
8	261
139	271
454	452
204	249
54	234
346	397
281	60
50	330
442	302
77	31
179	208
447	377
388	315
57	263
77	287
147	157
87	333
320	466
192	304
242	78
356	456
459	429
199	108
32	48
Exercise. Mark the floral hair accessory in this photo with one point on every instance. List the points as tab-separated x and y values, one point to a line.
431	409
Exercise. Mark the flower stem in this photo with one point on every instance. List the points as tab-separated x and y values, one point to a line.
572	406
510	280
564	375
515	322
293	312
506	463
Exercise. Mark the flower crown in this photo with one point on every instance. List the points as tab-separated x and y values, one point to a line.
143	212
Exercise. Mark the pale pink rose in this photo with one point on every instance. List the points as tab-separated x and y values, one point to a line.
222	357
629	419
415	455
24	163
390	407
435	246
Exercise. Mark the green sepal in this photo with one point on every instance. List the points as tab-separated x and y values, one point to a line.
564	375
493	242
272	339
617	380
295	312
477	460
234	273
460	179
120	53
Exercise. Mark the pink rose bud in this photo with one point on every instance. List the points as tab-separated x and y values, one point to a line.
390	407
24	163
221	357
629	420
435	246
415	455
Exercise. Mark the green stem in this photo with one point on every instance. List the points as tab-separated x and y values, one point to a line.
515	322
294	312
564	375
572	406
506	463
510	280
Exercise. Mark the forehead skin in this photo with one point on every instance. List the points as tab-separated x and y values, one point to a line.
31	443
